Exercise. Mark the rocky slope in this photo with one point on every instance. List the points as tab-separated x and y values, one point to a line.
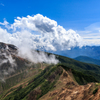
12	67
68	89
10	62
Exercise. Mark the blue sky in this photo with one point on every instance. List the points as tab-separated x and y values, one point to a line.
83	16
75	14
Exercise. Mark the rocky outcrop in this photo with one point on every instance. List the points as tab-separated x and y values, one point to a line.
10	62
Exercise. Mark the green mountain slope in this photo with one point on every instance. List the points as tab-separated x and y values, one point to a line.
44	82
32	83
87	60
89	69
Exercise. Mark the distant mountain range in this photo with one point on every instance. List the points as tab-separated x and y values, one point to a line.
90	51
87	60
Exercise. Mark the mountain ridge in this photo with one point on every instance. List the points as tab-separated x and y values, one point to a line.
90	51
69	79
87	60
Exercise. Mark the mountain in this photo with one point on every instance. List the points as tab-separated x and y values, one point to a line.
90	51
10	62
69	79
87	60
55	82
13	68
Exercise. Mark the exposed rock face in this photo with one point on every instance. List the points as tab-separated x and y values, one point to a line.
7	48
9	60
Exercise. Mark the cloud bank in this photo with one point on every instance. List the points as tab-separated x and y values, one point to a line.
91	34
39	32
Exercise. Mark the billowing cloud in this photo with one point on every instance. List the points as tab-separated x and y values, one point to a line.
39	32
36	32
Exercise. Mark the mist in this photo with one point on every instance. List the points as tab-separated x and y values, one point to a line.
7	64
36	57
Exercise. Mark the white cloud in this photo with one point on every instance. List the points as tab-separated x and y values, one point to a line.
50	35
5	23
93	41
91	34
36	57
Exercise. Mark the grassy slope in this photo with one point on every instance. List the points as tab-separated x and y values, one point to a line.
44	82
89	69
47	78
20	76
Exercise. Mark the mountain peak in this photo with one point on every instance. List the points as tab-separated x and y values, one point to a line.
7	48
